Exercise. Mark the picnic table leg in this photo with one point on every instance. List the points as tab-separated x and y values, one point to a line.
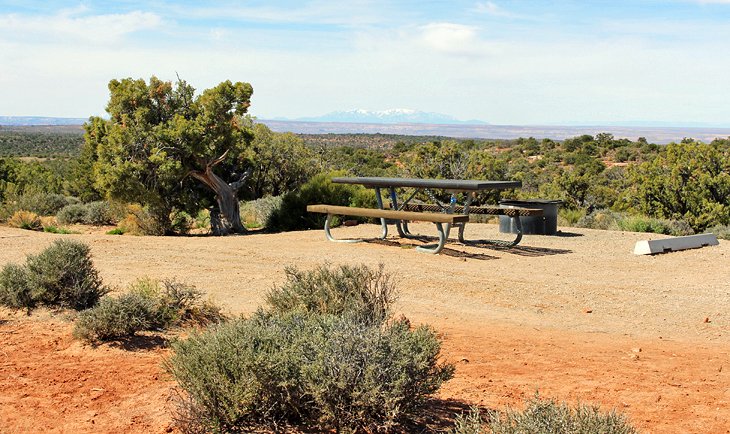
436	248
329	236
518	225
383	222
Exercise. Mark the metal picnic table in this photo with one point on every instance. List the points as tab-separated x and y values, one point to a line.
452	186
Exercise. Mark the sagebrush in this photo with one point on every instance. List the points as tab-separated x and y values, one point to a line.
147	305
63	275
324	355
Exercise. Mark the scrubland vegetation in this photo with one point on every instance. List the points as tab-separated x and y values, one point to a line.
326	351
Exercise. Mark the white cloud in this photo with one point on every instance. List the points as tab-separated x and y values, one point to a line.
455	39
491	8
72	24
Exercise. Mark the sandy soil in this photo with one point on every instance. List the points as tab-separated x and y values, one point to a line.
576	316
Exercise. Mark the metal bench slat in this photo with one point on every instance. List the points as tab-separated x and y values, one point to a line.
488	210
389	214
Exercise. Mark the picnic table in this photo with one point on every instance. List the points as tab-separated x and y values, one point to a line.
444	215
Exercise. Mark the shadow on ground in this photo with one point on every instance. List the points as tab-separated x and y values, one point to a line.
450	251
141	343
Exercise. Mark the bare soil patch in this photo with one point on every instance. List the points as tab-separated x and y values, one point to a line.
577	317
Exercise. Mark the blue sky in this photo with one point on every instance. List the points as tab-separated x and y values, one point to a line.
504	62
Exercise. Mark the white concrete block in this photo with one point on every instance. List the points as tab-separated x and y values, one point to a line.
650	247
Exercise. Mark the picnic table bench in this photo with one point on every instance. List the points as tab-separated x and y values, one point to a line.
444	216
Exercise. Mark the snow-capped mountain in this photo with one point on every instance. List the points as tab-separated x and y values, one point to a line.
391	116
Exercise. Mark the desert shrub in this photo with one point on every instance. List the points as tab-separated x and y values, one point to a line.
97	213
114	318
15	292
71	214
62	275
600	219
292	214
469	423
720	231
202	219
115	231
654	225
259	210
546	416
42	203
358	290
319	371
181	222
569	217
326	355
147	305
93	213
25	220
138	221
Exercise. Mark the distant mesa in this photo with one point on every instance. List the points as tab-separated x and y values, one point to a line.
391	116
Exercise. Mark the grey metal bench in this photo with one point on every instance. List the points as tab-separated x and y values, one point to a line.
439	219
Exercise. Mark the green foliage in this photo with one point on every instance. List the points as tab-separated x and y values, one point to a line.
70	214
280	161
334	363
362	292
571	217
549	417
315	370
720	231
62	275
148	305
26	141
258	211
168	149
116	231
292	214
15	290
115	318
58	230
94	213
469	423
688	181
653	225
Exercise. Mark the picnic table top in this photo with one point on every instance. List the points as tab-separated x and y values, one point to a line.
446	184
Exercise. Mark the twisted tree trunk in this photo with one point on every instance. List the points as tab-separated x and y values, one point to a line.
227	197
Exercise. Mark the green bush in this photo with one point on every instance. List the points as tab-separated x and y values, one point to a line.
654	225
97	213
721	231
63	275
57	230
546	416
42	203
292	214
600	219
60	276
114	318
147	305
361	291
15	292
318	371
258	211
93	213
469	423
326	355
71	214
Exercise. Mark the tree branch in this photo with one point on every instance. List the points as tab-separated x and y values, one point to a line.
218	160
238	184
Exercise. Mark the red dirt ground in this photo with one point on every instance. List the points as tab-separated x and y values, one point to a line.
630	336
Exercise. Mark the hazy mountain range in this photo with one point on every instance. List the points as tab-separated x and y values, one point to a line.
391	116
39	120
